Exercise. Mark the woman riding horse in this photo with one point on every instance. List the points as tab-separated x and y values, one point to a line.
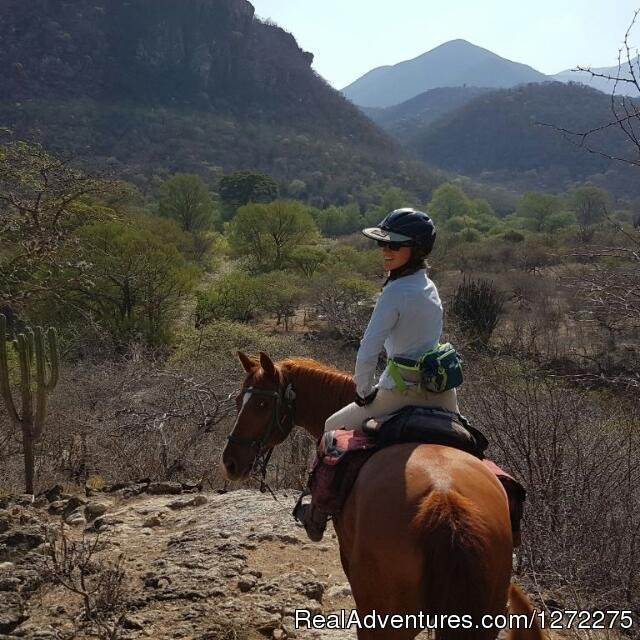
407	321
425	528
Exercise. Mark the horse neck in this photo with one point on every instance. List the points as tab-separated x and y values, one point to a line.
319	394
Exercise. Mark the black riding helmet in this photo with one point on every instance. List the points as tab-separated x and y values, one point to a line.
405	226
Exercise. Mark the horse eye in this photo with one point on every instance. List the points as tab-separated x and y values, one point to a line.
262	404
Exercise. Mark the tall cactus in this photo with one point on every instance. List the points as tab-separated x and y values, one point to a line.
32	359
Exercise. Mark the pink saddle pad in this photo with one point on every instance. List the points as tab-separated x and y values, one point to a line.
342	453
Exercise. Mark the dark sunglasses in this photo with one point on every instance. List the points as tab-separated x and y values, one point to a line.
394	246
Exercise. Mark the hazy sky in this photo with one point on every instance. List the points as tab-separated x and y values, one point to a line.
350	37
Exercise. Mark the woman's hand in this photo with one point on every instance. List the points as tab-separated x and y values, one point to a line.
363	402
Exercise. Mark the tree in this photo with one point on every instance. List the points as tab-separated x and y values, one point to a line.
337	221
235	296
624	109
134	282
612	294
557	221
307	260
282	296
535	207
269	233
482	208
43	200
589	203
185	198
449	200
345	303
242	187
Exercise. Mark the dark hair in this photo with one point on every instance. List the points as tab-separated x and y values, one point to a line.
417	260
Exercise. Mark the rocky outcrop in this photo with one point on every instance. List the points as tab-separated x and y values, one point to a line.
199	565
200	52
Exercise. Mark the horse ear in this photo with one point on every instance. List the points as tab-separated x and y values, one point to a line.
267	365
248	364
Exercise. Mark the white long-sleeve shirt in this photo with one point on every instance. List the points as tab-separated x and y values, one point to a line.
406	321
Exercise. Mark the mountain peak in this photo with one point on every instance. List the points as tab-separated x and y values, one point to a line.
454	63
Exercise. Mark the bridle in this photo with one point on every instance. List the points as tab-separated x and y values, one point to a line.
282	420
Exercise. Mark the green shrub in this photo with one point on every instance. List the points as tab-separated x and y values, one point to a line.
234	296
513	236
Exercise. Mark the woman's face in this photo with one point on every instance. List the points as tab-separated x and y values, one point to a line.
394	259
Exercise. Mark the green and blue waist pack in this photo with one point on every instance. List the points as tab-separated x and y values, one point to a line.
438	370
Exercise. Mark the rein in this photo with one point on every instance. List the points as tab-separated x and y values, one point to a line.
283	411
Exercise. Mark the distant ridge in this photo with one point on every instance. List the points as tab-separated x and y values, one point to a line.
456	63
496	136
603	84
406	121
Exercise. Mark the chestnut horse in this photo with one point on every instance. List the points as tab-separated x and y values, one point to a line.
425	528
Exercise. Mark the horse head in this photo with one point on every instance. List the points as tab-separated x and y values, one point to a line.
265	416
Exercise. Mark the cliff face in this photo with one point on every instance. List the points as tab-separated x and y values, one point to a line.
150	87
199	52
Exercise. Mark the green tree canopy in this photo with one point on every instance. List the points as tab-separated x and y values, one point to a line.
449	200
482	208
234	296
338	221
185	198
283	294
536	207
389	199
242	187
134	282
589	203
269	233
308	259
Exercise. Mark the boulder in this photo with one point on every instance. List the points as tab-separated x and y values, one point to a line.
164	488
12	612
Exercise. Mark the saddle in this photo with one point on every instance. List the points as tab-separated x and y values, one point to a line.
342	453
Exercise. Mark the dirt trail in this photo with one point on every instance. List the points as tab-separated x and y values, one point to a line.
201	566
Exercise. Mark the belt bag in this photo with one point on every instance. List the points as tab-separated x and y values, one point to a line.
439	369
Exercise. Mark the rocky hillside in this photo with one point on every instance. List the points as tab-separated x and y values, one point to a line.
197	565
146	87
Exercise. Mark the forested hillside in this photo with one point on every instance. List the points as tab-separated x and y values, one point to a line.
136	262
408	120
149	88
500	137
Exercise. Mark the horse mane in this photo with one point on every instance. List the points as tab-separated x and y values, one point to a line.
330	375
333	389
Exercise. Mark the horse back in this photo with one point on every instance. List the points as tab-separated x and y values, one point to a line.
397	480
432	520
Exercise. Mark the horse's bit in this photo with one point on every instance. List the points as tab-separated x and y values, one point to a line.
284	398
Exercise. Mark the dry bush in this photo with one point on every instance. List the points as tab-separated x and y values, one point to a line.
101	585
345	303
477	306
141	417
580	461
132	419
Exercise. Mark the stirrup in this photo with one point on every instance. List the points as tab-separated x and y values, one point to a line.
313	520
299	509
